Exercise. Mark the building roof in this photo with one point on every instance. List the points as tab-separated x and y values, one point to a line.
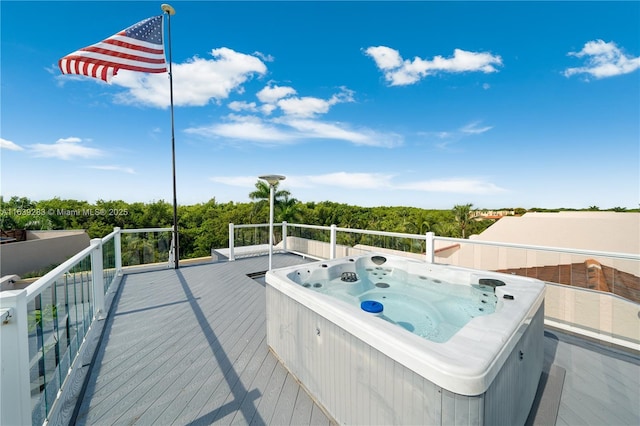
598	231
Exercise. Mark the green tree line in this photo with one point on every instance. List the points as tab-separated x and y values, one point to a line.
204	226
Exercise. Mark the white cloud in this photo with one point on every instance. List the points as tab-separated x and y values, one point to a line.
240	181
127	170
296	123
304	107
353	180
454	185
401	72
386	58
290	130
11	146
71	139
462	61
310	106
446	138
265	57
376	181
473	129
337	179
441	135
271	94
244	128
603	60
337	131
267	109
65	149
196	82
242	106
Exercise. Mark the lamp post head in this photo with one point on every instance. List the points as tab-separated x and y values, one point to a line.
272	179
168	9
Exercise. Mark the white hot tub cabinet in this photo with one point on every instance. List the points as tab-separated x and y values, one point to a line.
364	370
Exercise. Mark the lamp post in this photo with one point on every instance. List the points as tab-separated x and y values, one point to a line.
272	180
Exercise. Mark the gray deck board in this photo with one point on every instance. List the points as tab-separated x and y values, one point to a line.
302	409
266	405
601	386
318	418
188	347
248	405
283	411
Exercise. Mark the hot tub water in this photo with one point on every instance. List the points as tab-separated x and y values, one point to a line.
428	307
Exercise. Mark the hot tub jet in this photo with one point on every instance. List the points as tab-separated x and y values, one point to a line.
349	277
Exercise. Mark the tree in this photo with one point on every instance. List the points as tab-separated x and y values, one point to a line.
289	210
262	194
158	214
461	214
446	229
22	213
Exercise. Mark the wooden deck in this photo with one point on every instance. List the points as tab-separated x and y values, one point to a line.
188	347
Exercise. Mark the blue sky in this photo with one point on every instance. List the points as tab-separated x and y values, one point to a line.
424	104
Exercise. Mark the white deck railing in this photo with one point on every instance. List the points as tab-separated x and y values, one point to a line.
584	294
45	326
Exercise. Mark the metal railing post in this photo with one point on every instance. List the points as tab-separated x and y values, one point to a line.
117	245
172	253
231	241
15	392
332	247
97	278
430	252
284	235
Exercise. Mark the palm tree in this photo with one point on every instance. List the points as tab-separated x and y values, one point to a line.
262	194
446	229
461	213
262	191
289	210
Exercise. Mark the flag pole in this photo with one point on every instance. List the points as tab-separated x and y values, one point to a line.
166	8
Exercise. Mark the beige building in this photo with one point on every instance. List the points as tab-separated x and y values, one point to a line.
591	231
597	231
41	250
608	232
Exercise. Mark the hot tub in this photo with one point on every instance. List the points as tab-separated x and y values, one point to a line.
381	339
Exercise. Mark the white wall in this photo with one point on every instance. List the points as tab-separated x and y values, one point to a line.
42	249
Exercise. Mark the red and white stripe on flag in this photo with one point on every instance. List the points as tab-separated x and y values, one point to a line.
138	48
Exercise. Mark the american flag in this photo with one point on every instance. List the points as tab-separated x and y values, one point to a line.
138	48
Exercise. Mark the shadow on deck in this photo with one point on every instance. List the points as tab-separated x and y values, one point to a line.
188	346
